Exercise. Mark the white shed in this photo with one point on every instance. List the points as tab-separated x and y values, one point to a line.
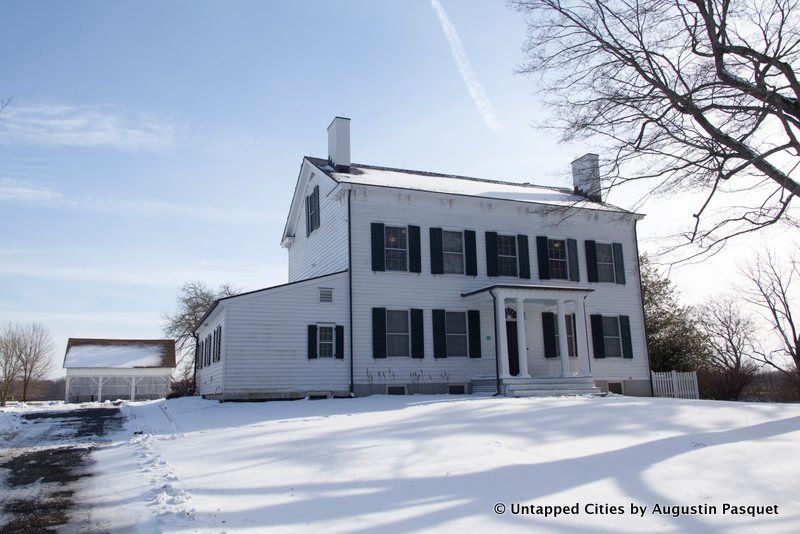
111	369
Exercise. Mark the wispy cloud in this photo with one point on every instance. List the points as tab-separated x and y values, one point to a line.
474	87
84	126
16	193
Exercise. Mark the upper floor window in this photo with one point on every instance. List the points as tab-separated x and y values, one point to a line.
557	257
312	211
326	340
605	262
506	255
396	248
453	252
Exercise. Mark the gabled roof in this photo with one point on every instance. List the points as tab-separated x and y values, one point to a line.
119	353
453	184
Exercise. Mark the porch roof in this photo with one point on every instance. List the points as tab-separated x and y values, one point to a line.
531	287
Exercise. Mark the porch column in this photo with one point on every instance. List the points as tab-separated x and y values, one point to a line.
502	344
522	344
562	338
583	339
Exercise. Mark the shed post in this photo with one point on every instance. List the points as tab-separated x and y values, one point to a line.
133	387
99	389
66	390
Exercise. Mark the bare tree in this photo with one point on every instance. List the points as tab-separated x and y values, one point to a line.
730	335
10	365
775	291
693	96
34	349
195	299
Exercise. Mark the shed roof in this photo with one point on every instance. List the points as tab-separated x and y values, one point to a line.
119	353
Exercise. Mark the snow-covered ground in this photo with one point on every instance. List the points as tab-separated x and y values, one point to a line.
443	463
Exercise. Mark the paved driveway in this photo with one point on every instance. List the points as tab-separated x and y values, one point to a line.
40	463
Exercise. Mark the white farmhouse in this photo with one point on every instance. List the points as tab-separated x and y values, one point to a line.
406	281
111	369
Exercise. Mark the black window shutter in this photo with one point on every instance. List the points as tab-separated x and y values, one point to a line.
591	260
378	256
308	219
474	323
312	341
575	333
625	331
470	253
619	264
439	335
378	332
549	330
543	257
316	207
417	334
597	336
339	342
491	253
437	259
414	252
524	256
572	252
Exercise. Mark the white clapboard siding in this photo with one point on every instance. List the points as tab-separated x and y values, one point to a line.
676	385
325	250
211	379
265	339
410	290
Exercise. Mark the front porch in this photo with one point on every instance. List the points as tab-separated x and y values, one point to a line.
560	365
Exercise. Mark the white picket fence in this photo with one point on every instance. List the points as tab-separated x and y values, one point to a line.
676	385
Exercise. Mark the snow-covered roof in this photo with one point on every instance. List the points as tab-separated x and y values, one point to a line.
119	353
460	185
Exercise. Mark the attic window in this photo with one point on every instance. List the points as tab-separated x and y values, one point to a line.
325	295
312	211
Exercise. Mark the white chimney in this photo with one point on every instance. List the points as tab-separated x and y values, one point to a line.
339	143
586	177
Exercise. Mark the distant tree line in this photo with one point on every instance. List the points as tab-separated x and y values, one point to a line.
743	345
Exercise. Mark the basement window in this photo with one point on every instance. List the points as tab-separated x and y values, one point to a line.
396	390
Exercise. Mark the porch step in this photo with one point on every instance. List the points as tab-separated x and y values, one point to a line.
546	387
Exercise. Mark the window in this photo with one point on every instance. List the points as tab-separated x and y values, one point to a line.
396	246
325	295
456	333
557	256
398	333
570	324
325	340
605	262
506	255
312	211
453	251
611	337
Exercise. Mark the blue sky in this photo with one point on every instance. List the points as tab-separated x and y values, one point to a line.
150	143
